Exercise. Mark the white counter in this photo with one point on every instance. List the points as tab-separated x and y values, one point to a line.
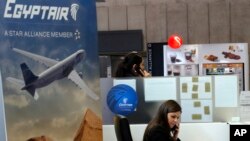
188	132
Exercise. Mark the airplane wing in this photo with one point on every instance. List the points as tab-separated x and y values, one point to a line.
20	84
73	76
41	59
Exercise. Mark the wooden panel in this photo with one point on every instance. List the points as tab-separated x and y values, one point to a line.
240	21
198	31
102	18
219	22
156	23
130	2
118	18
124	2
137	21
150	2
136	17
177	20
200	1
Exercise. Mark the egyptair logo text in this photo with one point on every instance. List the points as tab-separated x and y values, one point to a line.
23	11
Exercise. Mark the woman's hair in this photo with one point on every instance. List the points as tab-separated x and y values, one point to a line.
168	106
161	117
125	68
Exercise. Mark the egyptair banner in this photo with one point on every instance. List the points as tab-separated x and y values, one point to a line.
49	70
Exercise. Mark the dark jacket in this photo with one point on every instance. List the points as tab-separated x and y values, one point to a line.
159	133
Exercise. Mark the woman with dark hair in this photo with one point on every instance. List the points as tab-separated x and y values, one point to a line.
131	66
165	125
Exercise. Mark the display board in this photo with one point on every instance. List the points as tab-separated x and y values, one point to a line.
202	98
227	59
206	59
196	94
156	58
50	70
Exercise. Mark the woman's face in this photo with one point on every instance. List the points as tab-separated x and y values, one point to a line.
173	118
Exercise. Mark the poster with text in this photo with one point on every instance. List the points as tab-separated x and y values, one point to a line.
50	70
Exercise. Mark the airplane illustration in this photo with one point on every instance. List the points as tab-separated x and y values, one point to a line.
56	70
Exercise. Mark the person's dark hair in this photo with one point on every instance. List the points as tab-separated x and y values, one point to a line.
125	68
161	117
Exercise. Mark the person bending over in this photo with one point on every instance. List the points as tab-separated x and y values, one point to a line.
165	125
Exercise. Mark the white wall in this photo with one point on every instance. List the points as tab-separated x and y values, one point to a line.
188	132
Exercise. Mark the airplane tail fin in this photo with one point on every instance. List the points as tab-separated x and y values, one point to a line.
32	91
28	75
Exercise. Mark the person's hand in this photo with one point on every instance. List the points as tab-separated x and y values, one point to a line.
176	132
146	74
140	71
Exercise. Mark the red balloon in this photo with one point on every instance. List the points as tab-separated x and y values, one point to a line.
175	41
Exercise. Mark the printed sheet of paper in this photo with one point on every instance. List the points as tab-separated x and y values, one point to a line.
158	89
226	91
245	106
129	82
